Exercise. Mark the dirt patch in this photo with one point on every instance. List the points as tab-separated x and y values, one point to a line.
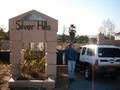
62	78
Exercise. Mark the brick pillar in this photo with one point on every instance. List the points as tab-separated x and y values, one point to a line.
51	60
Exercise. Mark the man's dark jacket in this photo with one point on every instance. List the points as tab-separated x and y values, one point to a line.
70	54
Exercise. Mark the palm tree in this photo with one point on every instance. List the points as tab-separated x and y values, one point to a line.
72	32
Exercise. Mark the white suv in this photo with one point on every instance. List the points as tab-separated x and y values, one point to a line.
104	59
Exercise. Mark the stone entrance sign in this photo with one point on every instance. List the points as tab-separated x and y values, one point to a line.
28	29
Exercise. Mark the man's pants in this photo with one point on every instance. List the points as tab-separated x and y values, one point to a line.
71	69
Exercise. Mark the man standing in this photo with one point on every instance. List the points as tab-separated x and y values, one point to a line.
71	56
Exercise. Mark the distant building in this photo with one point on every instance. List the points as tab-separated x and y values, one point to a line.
5	45
117	36
102	40
62	38
100	37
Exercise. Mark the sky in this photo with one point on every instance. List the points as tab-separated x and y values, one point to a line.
86	15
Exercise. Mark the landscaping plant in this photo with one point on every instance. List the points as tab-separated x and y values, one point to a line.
33	66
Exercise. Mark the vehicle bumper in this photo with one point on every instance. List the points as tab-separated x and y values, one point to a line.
107	69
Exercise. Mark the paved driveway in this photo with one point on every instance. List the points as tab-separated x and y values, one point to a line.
101	83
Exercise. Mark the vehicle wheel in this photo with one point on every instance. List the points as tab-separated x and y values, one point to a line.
88	73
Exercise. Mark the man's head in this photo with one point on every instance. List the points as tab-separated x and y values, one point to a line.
70	45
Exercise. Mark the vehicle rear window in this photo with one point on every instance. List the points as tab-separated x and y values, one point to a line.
90	52
108	52
83	51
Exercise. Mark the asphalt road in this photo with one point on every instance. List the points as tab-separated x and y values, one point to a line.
100	83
